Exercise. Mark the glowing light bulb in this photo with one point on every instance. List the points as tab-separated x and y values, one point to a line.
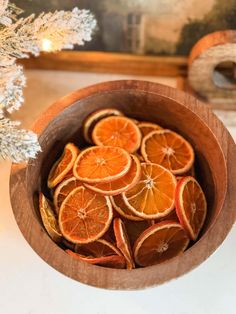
46	44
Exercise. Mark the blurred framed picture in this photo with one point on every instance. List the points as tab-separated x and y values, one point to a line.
146	28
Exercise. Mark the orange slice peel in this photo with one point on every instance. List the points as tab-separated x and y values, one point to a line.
49	219
84	216
63	165
168	149
98	248
111	261
96	116
122	184
122	242
148	127
99	164
63	189
191	206
153	196
118	132
119	205
159	243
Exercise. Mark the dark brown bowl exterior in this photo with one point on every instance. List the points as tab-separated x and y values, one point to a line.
215	158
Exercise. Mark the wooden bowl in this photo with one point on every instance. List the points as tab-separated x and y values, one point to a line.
215	165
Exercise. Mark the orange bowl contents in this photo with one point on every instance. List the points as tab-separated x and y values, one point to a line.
154	195
131	199
159	243
191	206
169	149
118	132
63	165
122	184
148	127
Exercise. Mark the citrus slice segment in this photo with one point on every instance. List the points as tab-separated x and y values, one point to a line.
84	216
63	165
49	219
154	195
120	206
101	164
159	243
191	206
118	132
122	184
147	127
122	242
97	248
63	189
111	261
96	116
168	149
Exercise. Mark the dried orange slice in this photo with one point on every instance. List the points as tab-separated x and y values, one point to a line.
159	243
96	116
62	166
63	189
122	184
97	248
191	206
122	242
120	206
84	216
153	196
111	261
168	149
118	132
49	219
101	164
148	127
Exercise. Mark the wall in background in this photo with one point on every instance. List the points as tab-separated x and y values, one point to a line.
152	27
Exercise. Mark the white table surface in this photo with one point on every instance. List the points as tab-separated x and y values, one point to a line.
29	286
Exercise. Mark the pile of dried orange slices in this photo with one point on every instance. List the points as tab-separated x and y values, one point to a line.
128	200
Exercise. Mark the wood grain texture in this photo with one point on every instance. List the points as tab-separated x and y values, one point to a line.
105	62
215	161
209	52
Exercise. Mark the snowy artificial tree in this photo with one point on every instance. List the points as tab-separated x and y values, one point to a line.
20	38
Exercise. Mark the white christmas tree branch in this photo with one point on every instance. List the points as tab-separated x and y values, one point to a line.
20	39
62	28
16	144
12	81
8	12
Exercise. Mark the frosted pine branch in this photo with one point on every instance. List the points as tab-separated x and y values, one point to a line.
63	28
4	19
17	144
12	81
8	12
19	39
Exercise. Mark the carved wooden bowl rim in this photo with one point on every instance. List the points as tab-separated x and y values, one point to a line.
141	277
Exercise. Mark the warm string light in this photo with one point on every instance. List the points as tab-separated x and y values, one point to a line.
46	45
